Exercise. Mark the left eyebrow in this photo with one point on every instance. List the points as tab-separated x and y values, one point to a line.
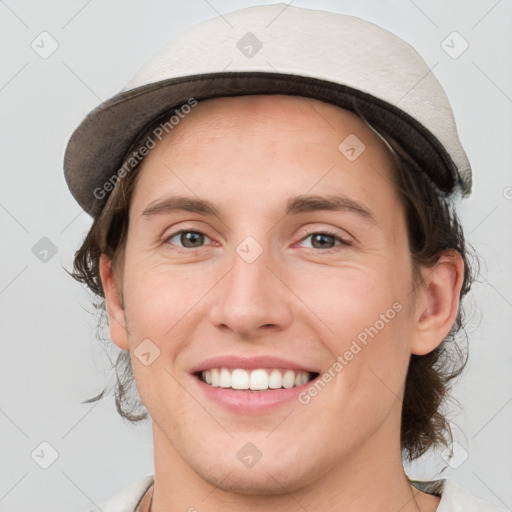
311	203
294	205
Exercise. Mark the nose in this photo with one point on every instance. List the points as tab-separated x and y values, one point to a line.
253	298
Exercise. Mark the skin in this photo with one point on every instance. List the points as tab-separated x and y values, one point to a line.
298	300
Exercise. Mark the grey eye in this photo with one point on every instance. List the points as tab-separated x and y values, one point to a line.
322	240
188	239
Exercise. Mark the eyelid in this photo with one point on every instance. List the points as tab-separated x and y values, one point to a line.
186	229
343	242
348	239
198	226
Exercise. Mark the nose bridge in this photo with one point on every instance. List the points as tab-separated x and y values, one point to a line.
251	296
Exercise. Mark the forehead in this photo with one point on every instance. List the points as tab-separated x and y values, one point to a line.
269	115
266	145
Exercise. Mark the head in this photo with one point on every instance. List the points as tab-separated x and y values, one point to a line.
365	296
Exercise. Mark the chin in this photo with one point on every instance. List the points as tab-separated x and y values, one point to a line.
252	482
270	476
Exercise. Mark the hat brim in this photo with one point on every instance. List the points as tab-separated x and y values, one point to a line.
99	145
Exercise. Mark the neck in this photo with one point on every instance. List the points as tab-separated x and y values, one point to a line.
372	478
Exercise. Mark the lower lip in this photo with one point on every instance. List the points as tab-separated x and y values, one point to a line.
251	402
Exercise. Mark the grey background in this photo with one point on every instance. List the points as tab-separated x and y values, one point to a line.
50	359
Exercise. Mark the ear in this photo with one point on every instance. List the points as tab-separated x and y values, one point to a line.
115	311
438	302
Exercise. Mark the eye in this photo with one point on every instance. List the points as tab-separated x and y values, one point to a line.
187	238
191	239
325	240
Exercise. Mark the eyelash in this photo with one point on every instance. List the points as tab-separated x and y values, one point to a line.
327	232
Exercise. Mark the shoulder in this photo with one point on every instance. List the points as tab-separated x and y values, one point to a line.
127	499
454	497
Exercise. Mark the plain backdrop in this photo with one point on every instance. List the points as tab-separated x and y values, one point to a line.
50	358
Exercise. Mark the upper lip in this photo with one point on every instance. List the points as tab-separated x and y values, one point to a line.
249	363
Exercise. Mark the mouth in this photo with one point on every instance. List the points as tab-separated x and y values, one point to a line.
252	384
255	380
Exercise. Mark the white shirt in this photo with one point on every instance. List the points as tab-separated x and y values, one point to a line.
454	498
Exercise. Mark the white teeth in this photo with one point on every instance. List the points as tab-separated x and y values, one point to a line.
255	380
239	379
289	379
225	378
215	377
275	381
259	380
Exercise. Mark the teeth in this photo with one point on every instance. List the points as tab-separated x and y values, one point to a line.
214	377
258	380
239	379
275	381
225	378
289	379
255	380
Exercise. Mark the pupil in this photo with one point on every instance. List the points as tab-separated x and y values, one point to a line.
191	236
322	238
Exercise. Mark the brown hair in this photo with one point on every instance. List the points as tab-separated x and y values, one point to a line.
433	228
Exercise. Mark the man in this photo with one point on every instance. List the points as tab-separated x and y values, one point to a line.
281	266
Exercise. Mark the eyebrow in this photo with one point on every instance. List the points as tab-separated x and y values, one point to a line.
294	205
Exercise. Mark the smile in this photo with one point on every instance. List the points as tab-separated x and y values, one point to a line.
261	379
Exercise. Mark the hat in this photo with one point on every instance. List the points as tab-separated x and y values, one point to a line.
276	49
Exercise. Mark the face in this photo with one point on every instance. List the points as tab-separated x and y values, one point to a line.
296	269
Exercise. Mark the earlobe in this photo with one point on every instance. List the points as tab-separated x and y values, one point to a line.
438	306
114	306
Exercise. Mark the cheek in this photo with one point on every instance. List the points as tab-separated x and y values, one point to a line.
366	324
160	305
354	299
157	298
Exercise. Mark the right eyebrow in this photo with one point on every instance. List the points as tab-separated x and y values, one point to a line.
181	203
